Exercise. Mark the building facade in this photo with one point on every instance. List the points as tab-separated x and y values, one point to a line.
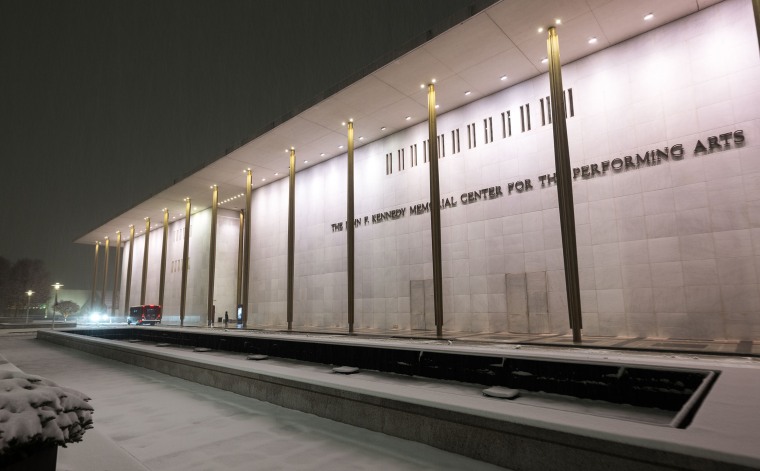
664	134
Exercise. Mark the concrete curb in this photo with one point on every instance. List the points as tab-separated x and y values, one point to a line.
517	443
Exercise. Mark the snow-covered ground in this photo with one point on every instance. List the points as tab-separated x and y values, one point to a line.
147	420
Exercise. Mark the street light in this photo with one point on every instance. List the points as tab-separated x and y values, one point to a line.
28	300
57	286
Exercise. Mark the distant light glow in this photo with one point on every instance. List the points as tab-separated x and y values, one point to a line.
540	30
340	146
503	78
408	118
306	161
557	21
592	40
467	93
322	154
544	60
383	128
648	16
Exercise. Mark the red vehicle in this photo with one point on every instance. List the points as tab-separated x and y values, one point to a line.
145	314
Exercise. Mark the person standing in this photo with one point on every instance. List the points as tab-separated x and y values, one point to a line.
226	319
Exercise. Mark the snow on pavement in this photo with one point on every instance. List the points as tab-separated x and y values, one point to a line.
167	423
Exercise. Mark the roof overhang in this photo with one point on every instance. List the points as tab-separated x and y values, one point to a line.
474	56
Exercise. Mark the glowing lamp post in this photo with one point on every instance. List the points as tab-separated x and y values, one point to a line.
28	300
57	286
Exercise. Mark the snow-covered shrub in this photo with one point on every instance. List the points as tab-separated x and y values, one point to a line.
36	413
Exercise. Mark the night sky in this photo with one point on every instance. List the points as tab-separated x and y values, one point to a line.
104	103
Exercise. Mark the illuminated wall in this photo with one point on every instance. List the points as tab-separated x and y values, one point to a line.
667	232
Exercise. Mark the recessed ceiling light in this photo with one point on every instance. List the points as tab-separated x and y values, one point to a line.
437	106
540	30
592	40
306	161
322	154
467	93
263	179
557	21
408	118
648	16
361	138
383	128
503	78
276	173
544	60
340	146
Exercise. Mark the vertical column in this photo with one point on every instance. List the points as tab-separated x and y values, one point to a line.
144	282
116	268
756	8
185	254
247	247
129	268
435	212
94	275
105	277
238	297
564	186
162	275
212	253
291	233
350	224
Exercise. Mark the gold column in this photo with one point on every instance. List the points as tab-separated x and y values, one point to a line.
129	268
115	297
144	282
239	291
105	277
162	275
291	233
756	9
564	186
212	253
350	224
435	213
185	254
94	275
247	251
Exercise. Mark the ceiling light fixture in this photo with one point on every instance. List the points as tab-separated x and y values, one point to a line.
544	60
648	16
540	30
592	40
467	93
408	118
383	128
322	154
503	78
557	21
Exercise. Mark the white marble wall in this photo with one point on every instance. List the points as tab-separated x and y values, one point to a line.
669	250
225	286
